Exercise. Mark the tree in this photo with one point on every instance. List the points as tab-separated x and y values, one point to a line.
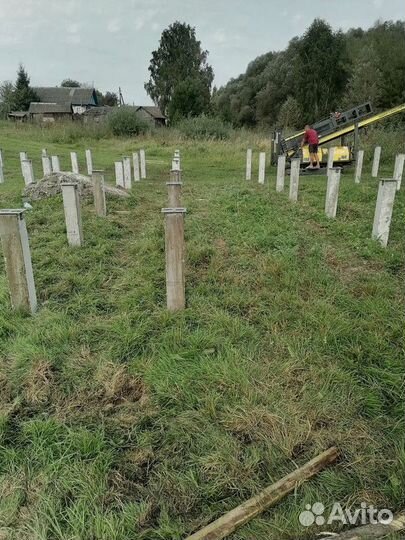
191	97
6	98
290	113
110	99
23	93
387	42
70	83
366	81
255	97
179	57
322	70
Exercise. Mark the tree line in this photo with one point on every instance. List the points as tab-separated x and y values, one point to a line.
318	73
321	72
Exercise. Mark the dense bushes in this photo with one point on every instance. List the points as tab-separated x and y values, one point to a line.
204	127
124	121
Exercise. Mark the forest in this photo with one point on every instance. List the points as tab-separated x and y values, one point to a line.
320	72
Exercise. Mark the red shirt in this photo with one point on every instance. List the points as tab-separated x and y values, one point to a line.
311	137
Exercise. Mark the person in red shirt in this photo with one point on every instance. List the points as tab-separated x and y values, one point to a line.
311	138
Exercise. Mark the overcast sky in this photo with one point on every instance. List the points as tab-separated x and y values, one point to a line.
109	42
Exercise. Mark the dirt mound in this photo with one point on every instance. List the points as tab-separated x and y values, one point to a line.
50	186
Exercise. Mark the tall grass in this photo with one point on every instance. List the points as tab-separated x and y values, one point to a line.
390	137
204	127
119	420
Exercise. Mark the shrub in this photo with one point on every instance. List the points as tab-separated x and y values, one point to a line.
388	137
124	122
204	127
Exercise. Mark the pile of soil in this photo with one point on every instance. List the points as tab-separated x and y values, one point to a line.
50	186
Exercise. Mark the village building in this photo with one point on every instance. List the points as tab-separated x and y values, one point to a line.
80	99
49	112
151	114
58	103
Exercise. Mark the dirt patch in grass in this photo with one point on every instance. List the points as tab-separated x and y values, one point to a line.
350	268
38	384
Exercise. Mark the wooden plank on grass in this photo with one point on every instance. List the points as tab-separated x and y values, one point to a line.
243	513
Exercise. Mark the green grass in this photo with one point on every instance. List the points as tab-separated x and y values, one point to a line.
120	421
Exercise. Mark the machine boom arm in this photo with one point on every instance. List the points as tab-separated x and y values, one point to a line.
361	124
332	131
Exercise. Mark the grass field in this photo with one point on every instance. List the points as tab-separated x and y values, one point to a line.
120	421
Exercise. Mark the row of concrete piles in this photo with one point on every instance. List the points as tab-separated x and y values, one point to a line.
14	236
51	164
128	169
13	230
386	190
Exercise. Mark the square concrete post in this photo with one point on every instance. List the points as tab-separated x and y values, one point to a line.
359	166
294	179
332	192
175	164
142	159
383	210
46	165
17	256
73	218
126	163
175	176
280	173
174	194
1	158
331	157
175	254
55	163
135	159
177	156
1	174
75	163
98	193
399	169
249	164
262	167
376	161
28	171
89	162
119	174
23	157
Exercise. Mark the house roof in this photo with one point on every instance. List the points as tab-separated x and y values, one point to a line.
62	94
43	108
153	111
17	114
98	111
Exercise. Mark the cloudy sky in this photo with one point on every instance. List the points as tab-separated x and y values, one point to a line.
109	42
